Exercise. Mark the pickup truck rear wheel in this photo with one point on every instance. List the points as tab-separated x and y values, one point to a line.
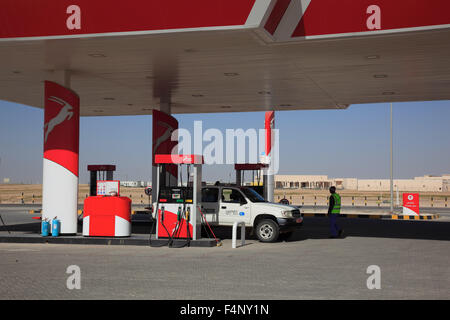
267	230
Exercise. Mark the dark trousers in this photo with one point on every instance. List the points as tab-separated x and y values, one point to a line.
334	228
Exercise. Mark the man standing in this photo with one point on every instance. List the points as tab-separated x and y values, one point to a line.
334	210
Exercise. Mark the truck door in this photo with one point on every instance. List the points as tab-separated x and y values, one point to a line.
233	207
210	204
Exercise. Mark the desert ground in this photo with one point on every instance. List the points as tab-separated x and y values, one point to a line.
32	194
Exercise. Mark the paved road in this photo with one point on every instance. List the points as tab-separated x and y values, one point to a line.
362	209
414	257
375	210
14	214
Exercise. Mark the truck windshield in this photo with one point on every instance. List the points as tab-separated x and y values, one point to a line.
252	195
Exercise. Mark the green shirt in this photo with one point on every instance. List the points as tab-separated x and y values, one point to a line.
337	204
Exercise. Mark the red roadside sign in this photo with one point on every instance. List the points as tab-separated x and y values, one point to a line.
411	203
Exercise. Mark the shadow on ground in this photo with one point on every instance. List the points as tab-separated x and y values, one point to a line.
313	228
318	228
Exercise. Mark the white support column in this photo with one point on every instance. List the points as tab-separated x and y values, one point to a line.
156	207
197	197
238	177
269	172
61	77
270	186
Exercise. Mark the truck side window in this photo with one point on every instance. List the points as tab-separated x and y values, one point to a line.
231	196
210	194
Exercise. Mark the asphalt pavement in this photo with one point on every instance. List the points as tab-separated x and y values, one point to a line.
413	258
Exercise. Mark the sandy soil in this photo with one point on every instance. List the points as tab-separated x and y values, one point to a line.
32	194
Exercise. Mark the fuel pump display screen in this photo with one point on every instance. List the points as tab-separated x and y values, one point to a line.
176	195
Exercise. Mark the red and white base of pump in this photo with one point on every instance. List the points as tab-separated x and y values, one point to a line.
168	226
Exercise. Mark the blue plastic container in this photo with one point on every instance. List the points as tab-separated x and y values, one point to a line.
56	226
45	228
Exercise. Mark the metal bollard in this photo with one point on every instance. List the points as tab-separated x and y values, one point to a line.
233	241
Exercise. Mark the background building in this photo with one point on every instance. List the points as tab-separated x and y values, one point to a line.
427	183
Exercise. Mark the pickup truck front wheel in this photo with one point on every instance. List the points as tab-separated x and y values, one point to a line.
267	230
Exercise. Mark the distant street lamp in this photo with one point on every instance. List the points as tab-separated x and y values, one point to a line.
392	179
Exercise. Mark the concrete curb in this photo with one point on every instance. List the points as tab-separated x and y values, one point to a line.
421	217
81	211
378	216
134	240
40	211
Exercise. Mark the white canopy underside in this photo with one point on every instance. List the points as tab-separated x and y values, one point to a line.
229	71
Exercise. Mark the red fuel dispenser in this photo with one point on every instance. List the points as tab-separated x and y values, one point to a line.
107	216
177	208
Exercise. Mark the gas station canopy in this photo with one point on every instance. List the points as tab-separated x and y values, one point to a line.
127	57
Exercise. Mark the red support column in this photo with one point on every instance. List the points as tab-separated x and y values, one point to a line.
61	144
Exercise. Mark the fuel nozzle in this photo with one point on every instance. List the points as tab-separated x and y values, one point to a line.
179	212
162	214
188	214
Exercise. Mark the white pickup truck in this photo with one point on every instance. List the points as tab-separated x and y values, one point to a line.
223	205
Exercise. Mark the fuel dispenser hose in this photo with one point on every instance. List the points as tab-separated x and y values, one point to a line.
218	242
169	241
162	223
178	230
183	214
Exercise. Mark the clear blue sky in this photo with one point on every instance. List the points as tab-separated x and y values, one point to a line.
338	143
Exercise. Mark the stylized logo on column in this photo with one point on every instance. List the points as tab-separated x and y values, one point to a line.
61	126
164	137
66	113
269	126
